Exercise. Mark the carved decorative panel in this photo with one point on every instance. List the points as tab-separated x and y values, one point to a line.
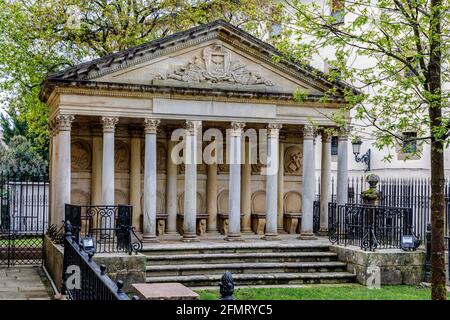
293	161
215	66
222	202
120	197
81	155
259	202
161	158
122	156
80	197
200	203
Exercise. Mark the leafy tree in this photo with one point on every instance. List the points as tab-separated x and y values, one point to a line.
397	53
39	37
19	159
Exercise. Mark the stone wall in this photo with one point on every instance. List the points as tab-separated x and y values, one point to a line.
397	266
120	266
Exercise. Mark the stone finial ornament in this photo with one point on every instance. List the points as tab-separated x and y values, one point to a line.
226	286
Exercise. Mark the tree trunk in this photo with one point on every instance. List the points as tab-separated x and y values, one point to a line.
438	289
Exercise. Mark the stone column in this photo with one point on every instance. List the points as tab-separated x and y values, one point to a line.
280	196
246	190
63	182
135	175
171	188
150	180
109	124
211	197
271	233
342	168
190	182
308	184
53	173
234	193
96	173
325	183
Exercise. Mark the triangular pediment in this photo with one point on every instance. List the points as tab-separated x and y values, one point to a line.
213	56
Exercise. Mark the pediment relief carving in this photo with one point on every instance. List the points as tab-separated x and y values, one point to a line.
215	66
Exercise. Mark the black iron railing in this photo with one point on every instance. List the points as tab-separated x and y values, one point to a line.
316	216
83	279
109	226
369	227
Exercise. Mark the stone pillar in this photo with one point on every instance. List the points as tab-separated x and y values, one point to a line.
109	124
150	180
53	173
271	233
308	184
342	168
234	193
211	197
190	182
246	190
171	188
135	175
96	173
63	182
280	196
325	183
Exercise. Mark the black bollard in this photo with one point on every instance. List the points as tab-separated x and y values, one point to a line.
428	254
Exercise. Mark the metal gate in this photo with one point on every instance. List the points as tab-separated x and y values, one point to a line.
23	219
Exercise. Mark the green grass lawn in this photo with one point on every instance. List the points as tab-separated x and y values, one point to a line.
27	242
325	292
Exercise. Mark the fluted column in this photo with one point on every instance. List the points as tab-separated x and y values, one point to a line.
171	189
211	197
234	200
96	173
271	233
149	228
190	182
308	184
280	196
63	182
109	124
246	189
135	175
325	183
342	168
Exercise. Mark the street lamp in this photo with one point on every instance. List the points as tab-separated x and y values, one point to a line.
365	158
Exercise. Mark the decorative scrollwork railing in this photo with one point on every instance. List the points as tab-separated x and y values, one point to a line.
369	227
109	226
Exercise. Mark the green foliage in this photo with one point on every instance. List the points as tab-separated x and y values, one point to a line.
39	37
18	158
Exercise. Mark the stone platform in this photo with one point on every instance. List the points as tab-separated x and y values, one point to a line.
24	283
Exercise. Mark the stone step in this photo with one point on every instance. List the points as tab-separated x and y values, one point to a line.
242	268
241	257
259	279
200	247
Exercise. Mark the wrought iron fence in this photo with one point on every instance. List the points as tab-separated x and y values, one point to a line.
369	227
414	193
23	218
109	226
93	283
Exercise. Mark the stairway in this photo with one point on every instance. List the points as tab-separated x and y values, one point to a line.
268	264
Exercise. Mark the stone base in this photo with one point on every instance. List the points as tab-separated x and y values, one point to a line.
233	237
271	237
190	238
395	265
151	239
164	291
322	233
307	236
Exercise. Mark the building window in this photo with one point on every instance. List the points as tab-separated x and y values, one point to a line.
409	146
334	146
337	11
275	30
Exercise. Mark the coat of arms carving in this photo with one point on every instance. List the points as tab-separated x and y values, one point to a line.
215	66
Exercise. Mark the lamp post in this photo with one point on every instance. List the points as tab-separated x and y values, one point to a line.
365	158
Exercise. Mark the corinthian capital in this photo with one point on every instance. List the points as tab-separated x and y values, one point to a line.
109	123
192	127
273	130
151	125
308	132
236	128
63	122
